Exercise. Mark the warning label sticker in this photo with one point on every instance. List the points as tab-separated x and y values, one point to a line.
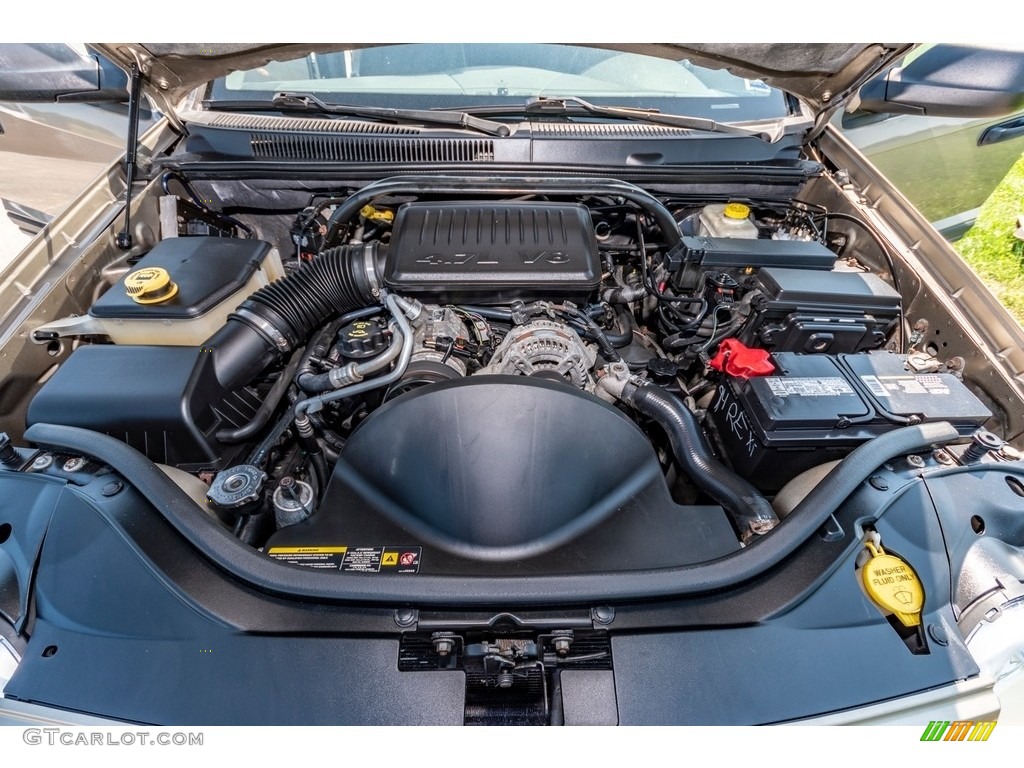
382	560
363	560
923	384
806	387
312	557
932	384
388	559
874	386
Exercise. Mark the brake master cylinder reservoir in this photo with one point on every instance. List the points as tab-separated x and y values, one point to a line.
727	220
178	294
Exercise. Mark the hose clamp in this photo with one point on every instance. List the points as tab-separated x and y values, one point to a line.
264	327
370	268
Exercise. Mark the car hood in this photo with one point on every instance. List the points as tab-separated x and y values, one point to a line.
822	75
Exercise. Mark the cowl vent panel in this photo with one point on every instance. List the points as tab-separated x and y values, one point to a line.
605	130
302	124
346	149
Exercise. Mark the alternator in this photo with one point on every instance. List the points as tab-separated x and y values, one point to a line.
547	349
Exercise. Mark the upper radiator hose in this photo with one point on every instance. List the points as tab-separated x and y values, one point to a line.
283	315
750	511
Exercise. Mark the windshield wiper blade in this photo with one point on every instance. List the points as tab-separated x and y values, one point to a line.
568	105
307	102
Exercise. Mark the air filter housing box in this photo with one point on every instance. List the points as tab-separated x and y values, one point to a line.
493	253
165	402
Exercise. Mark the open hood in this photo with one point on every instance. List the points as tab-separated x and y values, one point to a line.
820	74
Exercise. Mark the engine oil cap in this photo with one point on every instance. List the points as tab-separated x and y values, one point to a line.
361	339
150	285
893	585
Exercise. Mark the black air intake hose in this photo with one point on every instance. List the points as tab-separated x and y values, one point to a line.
749	509
281	316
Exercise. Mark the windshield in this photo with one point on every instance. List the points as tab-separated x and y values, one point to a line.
426	76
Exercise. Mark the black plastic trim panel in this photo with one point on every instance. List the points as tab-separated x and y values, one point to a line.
266	574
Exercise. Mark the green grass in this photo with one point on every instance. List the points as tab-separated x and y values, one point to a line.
990	247
944	171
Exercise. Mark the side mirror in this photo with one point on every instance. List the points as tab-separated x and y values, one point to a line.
55	72
858	119
950	81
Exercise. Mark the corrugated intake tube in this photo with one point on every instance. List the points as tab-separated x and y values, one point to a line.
283	315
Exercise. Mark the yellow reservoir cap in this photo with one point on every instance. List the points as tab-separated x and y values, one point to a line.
376	214
736	211
151	285
893	586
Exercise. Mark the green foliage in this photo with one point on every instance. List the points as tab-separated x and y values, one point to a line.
990	246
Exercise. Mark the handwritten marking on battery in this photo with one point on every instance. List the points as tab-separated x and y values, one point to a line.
736	419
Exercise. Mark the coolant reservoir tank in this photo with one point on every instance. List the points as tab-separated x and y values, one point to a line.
727	220
178	294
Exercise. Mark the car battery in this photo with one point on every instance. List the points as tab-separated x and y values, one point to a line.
821	312
818	408
898	394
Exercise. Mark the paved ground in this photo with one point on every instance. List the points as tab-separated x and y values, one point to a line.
44	183
12	240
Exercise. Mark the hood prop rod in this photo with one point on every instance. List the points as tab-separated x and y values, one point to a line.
124	238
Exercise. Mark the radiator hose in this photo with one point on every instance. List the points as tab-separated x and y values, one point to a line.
750	511
281	316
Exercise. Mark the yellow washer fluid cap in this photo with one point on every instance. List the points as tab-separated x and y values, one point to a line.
736	211
893	586
150	285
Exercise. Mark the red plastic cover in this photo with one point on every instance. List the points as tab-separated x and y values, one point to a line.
736	359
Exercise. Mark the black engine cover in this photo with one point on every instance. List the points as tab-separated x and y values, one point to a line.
501	468
493	253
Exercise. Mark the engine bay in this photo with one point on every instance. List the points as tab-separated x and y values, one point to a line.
457	376
384	385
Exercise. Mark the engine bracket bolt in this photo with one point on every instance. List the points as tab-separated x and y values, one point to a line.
444	643
42	461
75	464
